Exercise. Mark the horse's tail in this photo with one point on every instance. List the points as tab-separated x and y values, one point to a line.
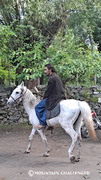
87	117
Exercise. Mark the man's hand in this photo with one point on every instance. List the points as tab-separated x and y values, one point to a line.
41	98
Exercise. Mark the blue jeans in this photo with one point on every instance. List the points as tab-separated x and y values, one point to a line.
41	112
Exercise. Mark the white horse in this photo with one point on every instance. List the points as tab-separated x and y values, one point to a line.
72	112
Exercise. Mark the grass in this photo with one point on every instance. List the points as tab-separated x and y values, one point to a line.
9	127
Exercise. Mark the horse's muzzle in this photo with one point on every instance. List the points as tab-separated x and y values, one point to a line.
9	103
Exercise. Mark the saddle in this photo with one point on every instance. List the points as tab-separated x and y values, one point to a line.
54	112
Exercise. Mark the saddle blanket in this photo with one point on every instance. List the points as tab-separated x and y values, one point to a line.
54	112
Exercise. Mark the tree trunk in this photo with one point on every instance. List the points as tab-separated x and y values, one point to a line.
95	79
30	84
9	75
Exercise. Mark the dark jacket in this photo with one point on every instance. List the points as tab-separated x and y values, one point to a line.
54	92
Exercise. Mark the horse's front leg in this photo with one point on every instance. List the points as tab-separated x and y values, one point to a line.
45	142
30	141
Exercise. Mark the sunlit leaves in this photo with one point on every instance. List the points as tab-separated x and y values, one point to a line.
74	63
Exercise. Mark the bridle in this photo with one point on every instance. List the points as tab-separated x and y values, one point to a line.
22	94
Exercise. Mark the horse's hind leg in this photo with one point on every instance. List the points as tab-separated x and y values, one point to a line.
77	127
79	147
30	141
69	129
45	143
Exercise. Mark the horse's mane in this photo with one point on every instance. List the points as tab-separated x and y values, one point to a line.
29	96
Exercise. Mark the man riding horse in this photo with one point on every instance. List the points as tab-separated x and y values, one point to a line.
52	96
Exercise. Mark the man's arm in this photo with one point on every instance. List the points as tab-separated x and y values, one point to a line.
49	89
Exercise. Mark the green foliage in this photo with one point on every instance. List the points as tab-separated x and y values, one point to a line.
5	36
5	49
74	63
94	99
31	61
4	72
36	32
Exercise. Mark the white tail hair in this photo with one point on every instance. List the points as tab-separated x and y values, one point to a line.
87	117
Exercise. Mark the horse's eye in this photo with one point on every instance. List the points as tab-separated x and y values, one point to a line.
17	92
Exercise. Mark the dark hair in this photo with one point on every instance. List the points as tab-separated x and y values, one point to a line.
50	66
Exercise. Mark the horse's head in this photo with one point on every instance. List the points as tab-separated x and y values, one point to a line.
17	94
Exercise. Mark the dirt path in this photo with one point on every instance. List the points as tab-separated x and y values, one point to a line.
15	165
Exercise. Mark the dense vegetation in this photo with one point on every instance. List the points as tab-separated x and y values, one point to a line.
65	33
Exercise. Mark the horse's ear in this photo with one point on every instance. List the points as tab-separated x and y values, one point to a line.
22	84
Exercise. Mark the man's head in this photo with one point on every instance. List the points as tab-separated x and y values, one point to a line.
49	69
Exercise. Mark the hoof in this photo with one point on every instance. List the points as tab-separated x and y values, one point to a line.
26	152
77	160
73	159
46	154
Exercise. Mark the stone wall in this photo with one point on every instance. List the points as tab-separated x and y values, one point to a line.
17	114
92	95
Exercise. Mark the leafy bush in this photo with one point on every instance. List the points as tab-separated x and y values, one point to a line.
74	61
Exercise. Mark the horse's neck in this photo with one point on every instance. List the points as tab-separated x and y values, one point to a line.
29	101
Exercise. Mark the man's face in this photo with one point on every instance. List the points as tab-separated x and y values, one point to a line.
47	71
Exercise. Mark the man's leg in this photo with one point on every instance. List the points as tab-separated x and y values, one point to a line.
40	112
